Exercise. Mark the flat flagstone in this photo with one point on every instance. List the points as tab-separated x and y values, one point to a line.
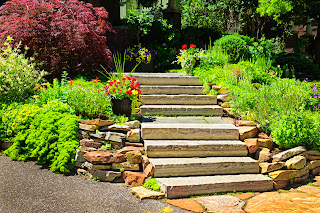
143	193
188	204
222	203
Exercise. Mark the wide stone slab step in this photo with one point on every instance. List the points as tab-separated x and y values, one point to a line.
178	167
179	99
186	186
194	148
188	128
201	110
171	89
166	79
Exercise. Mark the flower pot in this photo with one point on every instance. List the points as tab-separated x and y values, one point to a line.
121	106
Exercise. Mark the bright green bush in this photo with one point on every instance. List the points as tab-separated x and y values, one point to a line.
297	128
18	74
234	46
51	138
152	185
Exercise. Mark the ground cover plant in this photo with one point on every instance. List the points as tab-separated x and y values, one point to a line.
288	108
61	35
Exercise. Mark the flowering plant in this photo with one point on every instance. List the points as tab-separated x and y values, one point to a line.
126	87
140	54
188	57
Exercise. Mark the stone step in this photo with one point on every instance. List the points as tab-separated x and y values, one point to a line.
166	79
179	167
204	110
186	186
171	89
188	128
179	99
194	148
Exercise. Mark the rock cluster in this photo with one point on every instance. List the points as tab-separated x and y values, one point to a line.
128	164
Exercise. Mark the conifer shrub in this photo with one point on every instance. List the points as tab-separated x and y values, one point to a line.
61	34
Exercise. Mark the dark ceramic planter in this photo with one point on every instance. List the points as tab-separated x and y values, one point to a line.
121	106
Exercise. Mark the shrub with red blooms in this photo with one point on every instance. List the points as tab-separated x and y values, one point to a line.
126	87
61	34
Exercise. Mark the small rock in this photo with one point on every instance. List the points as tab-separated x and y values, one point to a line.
149	170
252	144
226	104
216	87
226	98
229	112
300	179
263	154
83	134
86	149
126	166
229	120
98	122
133	135
269	167
221	203
314	164
288	153
188	204
87	127
280	184
134	157
99	135
114	136
263	135
92	167
143	193
133	179
101	157
82	171
223	90
313	152
245	123
133	124
145	161
267	143
247	132
79	158
106	176
119	128
260	129
90	143
288	174
314	157
297	162
126	149
315	171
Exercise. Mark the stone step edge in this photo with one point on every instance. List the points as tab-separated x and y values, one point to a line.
224	183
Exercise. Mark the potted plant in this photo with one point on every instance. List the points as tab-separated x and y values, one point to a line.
124	90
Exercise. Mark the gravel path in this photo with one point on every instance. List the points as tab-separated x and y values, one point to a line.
27	187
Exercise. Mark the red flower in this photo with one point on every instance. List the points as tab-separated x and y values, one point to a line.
133	79
129	92
123	79
128	77
95	80
193	46
184	46
110	83
71	81
139	91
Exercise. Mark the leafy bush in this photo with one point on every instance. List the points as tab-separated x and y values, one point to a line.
62	35
18	74
51	138
152	184
297	128
301	66
234	46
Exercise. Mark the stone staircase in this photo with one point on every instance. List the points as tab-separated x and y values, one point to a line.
193	154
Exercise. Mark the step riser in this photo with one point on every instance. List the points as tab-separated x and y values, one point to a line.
177	80
174	111
187	191
195	151
194	169
189	134
196	90
179	99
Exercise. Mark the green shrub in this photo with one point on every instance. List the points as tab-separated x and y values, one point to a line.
18	74
51	138
301	66
297	128
234	46
152	184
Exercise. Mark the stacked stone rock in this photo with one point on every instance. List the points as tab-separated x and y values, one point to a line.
128	164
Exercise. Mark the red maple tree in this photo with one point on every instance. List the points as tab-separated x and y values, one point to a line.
61	34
